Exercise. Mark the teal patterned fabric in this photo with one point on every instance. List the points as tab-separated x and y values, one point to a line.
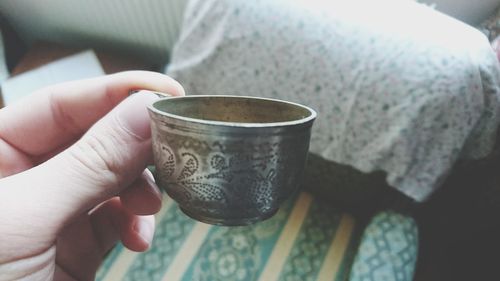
169	235
307	258
237	253
388	249
305	240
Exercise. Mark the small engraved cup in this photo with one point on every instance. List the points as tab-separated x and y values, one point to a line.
229	160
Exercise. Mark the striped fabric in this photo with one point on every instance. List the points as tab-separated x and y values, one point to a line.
147	29
305	240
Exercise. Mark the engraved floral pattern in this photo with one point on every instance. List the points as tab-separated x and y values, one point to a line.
210	176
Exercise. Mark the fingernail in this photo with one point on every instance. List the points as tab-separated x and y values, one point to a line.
152	184
145	229
159	94
133	114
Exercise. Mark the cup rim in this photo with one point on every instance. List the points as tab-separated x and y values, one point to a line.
303	120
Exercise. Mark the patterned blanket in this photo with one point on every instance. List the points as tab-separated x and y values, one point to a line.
399	87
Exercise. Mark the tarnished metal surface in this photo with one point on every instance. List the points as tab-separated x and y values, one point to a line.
229	160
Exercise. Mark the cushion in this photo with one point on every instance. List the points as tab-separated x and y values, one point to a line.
394	93
305	240
388	249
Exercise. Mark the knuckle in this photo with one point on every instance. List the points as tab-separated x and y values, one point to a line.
99	157
62	118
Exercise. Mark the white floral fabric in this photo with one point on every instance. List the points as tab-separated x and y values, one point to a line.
398	87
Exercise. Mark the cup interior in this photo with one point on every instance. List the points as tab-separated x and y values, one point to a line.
234	109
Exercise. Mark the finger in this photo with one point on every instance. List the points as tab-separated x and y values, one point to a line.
12	161
137	232
108	158
143	197
58	114
36	160
83	244
42	158
112	222
78	251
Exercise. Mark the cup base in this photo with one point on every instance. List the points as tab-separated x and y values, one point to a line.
228	222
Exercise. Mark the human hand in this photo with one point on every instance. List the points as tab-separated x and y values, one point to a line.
73	159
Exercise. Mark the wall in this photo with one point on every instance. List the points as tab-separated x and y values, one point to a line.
146	29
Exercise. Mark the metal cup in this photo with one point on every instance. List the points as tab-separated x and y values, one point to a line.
229	160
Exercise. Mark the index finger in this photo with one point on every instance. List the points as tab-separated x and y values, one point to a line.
58	114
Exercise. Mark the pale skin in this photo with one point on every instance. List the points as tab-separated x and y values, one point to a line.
72	175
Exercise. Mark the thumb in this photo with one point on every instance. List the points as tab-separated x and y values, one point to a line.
108	158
